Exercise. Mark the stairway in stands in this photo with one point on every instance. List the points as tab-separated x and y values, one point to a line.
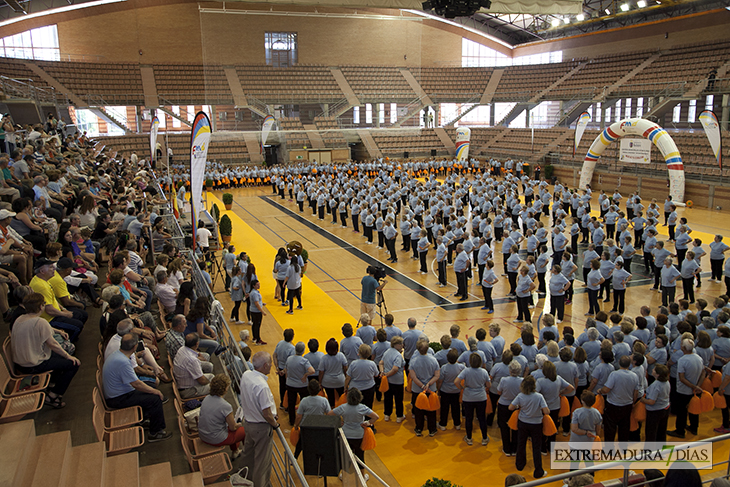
27	460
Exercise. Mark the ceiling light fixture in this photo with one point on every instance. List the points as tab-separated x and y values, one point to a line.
580	17
624	7
555	22
641	4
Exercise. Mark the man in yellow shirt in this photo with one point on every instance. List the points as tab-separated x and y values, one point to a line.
60	290
58	316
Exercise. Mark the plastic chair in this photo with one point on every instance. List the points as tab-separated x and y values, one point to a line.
115	419
211	466
12	387
117	441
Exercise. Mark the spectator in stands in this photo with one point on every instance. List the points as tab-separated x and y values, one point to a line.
123	389
53	208
142	361
166	294
259	411
175	340
36	350
202	237
216	423
56	314
190	379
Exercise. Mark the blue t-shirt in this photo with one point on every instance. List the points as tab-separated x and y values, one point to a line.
369	285
658	391
509	388
353	417
530	407
118	374
424	368
588	419
550	390
362	373
475	383
393	358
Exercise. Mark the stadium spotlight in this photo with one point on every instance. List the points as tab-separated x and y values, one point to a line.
641	4
555	22
580	17
608	12
455	8
624	7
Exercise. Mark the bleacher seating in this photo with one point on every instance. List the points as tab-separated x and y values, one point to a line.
295	84
457	85
520	83
192	84
294	133
418	144
378	84
330	132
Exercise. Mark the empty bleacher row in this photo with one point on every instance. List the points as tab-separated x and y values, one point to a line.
227	151
185	84
330	132
294	133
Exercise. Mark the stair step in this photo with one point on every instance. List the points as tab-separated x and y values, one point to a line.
15	440
220	484
122	470
48	461
86	467
194	479
157	475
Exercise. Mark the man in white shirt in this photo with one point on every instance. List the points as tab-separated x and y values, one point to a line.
166	293
202	236
189	376
259	411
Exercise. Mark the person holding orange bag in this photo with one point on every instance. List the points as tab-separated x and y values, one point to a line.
552	387
449	390
310	405
355	418
475	386
724	389
392	366
690	374
508	388
424	373
532	408
585	425
657	405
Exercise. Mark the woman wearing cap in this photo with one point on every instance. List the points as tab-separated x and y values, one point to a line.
23	223
13	251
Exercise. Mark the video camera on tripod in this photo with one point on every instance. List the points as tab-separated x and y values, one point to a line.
377	272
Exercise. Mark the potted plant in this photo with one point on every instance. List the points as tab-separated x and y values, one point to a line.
226	229
215	213
228	200
208	184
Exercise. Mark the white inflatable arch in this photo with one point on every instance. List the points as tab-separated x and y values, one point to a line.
649	130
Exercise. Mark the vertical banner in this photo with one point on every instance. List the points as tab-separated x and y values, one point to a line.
266	127
712	130
580	127
199	141
153	137
463	136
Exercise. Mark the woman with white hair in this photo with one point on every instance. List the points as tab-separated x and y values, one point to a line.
464	357
361	375
508	388
474	381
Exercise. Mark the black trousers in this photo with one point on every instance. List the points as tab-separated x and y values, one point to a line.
343	219
151	405
355	222
256	327
619	298
390	244
62	372
291	407
488	303
493	398
301	206
617	418
461	284
422	257
523	311
512	278
509	437
442	272
534	432
656	425
450	401
668	294
546	440
393	394
480	408
423	416
368	396
593	306
541	287
689	289
716	268
680	424
330	391
557	306
234	311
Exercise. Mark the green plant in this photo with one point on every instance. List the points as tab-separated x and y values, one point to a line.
208	183
434	482
435	346
225	226
227	199
215	213
549	170
305	256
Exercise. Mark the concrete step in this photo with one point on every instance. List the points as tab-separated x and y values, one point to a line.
86	468
16	440
48	461
194	479
122	470
157	475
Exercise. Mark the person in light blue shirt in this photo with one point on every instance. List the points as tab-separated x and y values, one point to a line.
717	256
681	243
355	418
489	279
523	291
392	367
366	332
532	407
669	275
349	345
298	369
552	387
474	381
690	374
508	388
424	373
593	283
689	269
449	391
657	405
621	389
464	357
361	374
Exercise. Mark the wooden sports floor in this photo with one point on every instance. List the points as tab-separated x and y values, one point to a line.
338	258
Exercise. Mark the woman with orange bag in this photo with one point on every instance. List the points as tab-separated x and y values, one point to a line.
392	366
724	389
310	405
584	425
552	387
657	405
424	373
508	388
532	408
475	386
355	418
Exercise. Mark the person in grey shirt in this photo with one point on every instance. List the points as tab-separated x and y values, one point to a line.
622	389
461	265
410	339
297	369
690	375
392	366
283	350
350	344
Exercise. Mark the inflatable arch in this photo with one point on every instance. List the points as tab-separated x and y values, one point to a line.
649	130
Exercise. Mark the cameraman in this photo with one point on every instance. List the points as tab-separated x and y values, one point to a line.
370	286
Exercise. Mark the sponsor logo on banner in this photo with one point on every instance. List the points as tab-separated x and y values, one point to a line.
635	151
199	143
636	456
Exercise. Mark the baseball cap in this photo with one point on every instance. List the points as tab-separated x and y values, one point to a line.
42	262
6	214
65	263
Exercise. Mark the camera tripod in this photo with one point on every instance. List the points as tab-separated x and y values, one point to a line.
215	269
380	302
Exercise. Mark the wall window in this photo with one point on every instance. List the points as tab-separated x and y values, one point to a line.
474	54
628	108
176	123
393	112
677	113
710	102
368	113
618	110
41	43
692	112
356	115
281	49
639	107
381	113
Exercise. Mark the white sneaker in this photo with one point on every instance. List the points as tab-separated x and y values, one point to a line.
442	428
236	454
558	321
366	477
485	441
386	418
458	427
340	475
400	419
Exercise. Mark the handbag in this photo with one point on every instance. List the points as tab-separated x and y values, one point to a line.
239	480
191	419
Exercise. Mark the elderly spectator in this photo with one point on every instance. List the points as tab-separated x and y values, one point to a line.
189	376
175	340
166	294
143	362
216	424
56	314
36	350
53	208
13	250
123	389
